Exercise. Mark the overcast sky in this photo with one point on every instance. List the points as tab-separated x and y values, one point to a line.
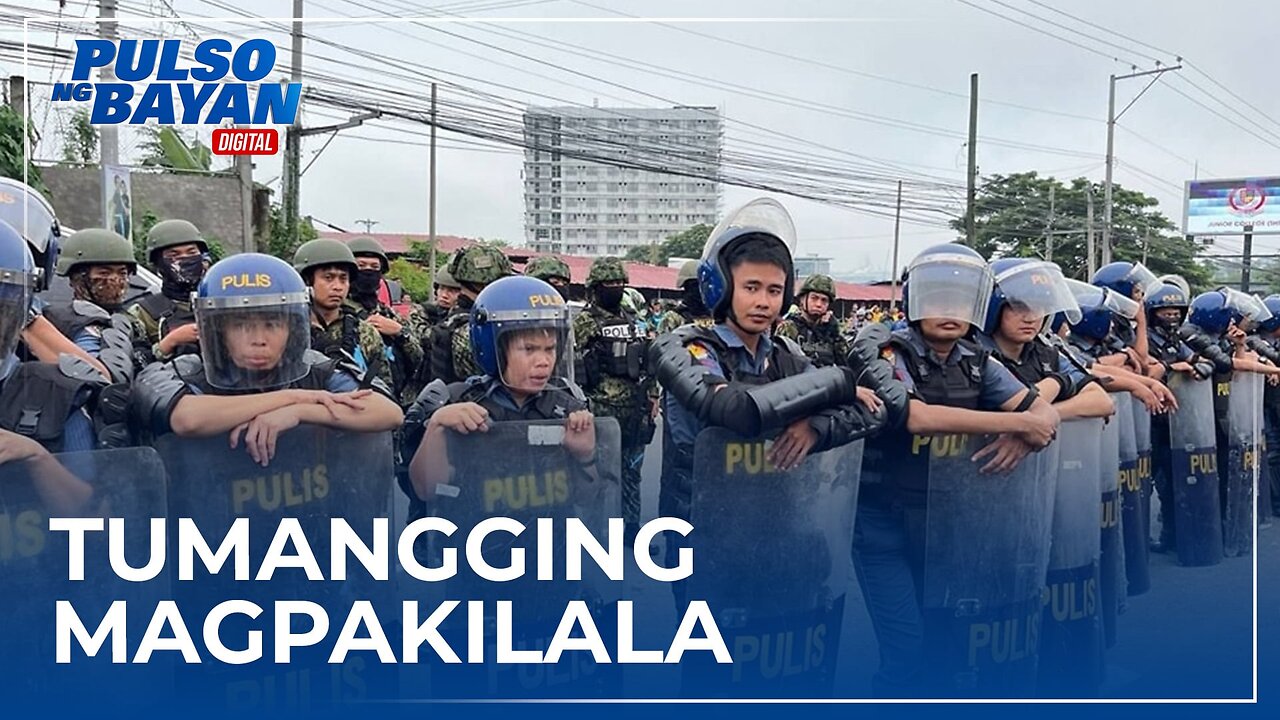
934	43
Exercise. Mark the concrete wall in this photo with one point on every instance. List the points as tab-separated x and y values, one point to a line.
212	202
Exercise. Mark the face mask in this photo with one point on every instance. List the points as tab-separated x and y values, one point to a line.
563	290
107	293
610	298
184	274
366	283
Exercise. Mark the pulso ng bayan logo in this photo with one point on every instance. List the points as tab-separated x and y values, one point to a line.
194	94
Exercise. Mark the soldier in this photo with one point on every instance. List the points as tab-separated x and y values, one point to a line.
164	324
98	263
337	331
256	375
691	309
403	344
812	324
551	270
735	376
450	348
613	351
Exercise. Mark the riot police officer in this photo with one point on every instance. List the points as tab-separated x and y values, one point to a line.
372	296
337	331
734	375
551	270
690	309
956	388
164	322
1269	332
98	263
256	375
813	326
613	352
519	328
1135	282
1091	339
473	268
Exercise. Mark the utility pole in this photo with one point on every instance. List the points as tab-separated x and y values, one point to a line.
1112	117
431	197
244	170
1048	228
368	225
108	135
1090	257
1146	246
893	278
971	223
293	137
1246	262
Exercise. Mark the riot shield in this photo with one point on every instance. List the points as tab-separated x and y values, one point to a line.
1071	655
126	484
519	470
1193	473
1244	435
1133	528
1137	515
771	553
317	475
986	558
1111	559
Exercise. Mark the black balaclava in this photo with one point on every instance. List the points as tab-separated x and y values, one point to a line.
365	285
181	277
609	298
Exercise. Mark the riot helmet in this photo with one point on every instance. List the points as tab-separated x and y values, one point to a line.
18	280
948	282
1167	296
761	220
32	217
1035	287
521	333
1123	277
253	314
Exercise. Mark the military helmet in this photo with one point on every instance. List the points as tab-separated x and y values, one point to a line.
513	304
818	283
607	269
480	264
688	273
369	246
253	312
168	233
546	267
323	251
95	246
18	279
444	279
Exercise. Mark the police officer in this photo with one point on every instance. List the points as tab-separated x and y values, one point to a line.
44	407
813	326
519	328
1025	296
256	376
450	353
164	322
1091	340
97	263
551	270
955	387
1129	335
736	376
1269	332
690	309
613	350
337	331
371	299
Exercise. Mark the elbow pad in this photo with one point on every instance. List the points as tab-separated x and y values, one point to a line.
155	393
679	375
752	409
879	377
1264	349
1205	347
865	348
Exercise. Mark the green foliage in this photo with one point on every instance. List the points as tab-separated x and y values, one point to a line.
166	147
1012	212
686	244
144	219
420	253
12	162
414	279
279	243
79	139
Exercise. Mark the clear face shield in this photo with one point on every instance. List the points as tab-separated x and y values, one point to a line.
535	347
762	215
16	289
1039	289
1087	295
949	287
1141	277
29	215
1252	310
255	342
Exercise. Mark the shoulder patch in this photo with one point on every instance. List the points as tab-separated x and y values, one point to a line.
698	351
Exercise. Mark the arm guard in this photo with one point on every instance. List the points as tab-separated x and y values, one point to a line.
158	388
1263	348
1206	348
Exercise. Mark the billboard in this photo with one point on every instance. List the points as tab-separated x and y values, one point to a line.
1227	207
117	200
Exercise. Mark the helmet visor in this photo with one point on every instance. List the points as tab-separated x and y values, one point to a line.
1141	277
16	290
762	215
535	348
254	345
1250	308
949	287
1038	288
1091	296
29	214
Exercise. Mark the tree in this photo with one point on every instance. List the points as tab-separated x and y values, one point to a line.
279	243
1012	215
12	161
415	280
165	147
687	243
79	139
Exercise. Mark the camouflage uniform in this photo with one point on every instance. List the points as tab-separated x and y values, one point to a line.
450	355
822	342
158	314
547	268
403	353
348	336
688	312
613	355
